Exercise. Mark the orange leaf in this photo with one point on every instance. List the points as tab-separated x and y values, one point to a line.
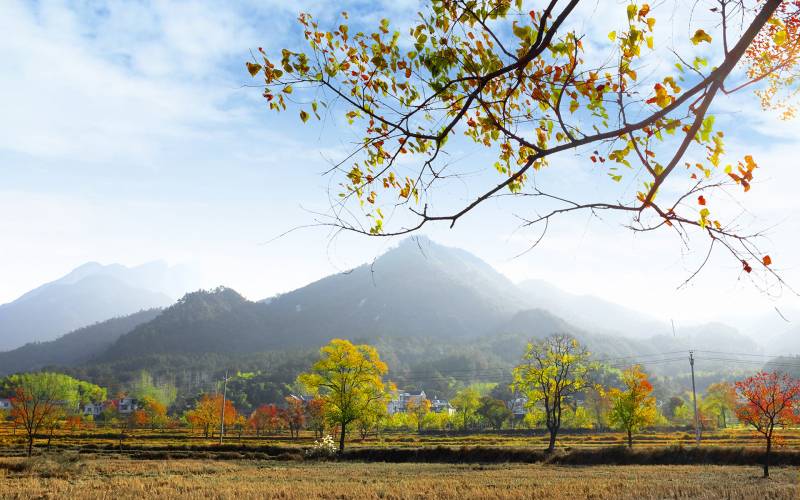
766	260
701	200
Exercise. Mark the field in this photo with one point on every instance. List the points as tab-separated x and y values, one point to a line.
12	443
181	463
125	478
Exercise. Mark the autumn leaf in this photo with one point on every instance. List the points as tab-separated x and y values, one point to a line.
701	200
767	260
700	36
303	116
253	69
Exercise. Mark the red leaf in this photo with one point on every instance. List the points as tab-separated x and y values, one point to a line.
766	260
701	200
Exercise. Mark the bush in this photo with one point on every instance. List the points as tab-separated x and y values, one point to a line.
322	448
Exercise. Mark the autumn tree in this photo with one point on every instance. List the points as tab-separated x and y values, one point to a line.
494	412
316	416
720	399
768	400
419	407
466	403
207	413
513	77
633	408
40	400
553	370
295	415
266	419
154	412
349	378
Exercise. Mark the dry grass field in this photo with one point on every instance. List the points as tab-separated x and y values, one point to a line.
735	437
70	476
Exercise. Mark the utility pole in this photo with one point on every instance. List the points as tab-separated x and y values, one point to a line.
694	398
225	393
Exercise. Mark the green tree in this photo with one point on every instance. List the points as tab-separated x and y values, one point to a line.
553	370
466	402
349	378
720	399
144	387
494	412
40	400
633	408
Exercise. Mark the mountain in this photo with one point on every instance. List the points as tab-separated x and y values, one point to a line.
219	321
590	312
73	348
419	288
88	294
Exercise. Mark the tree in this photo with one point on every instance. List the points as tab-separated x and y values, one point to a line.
349	378
316	416
295	415
721	400
40	400
513	77
494	411
466	403
207	413
419	408
553	370
266	419
633	408
145	388
768	400
154	412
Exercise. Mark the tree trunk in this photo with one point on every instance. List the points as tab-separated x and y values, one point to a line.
341	438
552	446
30	444
49	439
630	439
766	457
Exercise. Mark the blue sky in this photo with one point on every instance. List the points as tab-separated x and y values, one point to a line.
128	135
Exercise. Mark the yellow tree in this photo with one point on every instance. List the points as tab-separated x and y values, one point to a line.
207	413
633	408
419	408
155	413
513	77
552	370
349	379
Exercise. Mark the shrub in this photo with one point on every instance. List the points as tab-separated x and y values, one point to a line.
322	448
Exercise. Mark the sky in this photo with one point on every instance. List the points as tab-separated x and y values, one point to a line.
131	132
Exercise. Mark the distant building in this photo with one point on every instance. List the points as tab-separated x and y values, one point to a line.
5	404
401	400
518	408
442	406
93	409
126	406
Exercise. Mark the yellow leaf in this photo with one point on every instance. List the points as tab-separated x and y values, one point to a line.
253	69
700	36
611	36
303	116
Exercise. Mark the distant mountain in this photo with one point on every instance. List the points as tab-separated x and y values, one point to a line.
90	293
218	320
590	312
419	288
73	348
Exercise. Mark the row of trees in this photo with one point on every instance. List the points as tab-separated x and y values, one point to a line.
554	373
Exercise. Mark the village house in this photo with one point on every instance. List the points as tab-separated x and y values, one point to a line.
93	409
126	406
401	400
5	404
442	406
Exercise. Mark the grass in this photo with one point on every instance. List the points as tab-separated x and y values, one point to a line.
180	438
59	477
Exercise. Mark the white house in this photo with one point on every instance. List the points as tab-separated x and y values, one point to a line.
127	406
93	409
400	401
442	406
5	404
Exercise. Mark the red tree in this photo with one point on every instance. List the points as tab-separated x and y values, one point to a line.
295	415
768	400
266	418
